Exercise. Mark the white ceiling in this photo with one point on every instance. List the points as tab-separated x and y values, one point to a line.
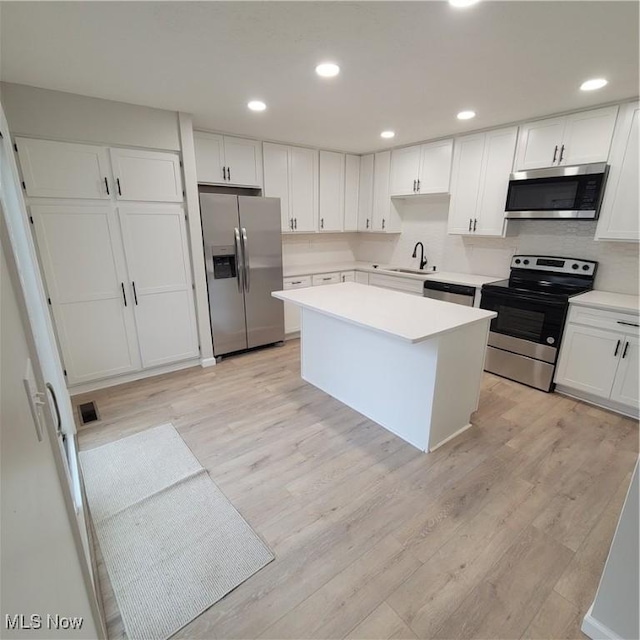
407	66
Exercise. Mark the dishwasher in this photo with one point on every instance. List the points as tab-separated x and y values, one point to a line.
458	293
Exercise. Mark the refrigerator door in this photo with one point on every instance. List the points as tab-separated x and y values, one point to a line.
225	272
262	245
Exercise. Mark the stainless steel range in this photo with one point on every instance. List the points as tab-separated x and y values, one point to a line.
532	307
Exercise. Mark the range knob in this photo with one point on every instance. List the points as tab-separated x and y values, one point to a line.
585	267
575	265
517	260
526	261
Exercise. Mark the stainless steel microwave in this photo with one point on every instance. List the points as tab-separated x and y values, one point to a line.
557	192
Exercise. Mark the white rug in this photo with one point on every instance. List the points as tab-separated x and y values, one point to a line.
172	543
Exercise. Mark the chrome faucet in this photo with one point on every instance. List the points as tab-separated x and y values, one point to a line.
423	260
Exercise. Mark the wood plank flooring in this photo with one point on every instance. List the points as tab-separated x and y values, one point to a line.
501	533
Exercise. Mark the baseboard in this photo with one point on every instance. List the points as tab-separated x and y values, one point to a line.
451	437
294	335
596	630
207	362
598	402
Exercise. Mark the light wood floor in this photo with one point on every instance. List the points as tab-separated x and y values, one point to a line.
501	533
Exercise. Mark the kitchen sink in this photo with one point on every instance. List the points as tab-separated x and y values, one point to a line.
415	272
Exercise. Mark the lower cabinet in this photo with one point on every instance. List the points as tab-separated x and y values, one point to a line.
397	283
292	311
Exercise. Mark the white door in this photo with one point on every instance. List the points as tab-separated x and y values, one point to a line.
381	196
303	185
351	186
587	136
405	169
499	149
365	193
209	149
589	359
150	176
540	144
626	385
276	180
155	241
331	190
465	183
80	251
243	159
63	170
435	167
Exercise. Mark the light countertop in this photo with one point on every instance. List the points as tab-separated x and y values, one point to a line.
607	300
410	318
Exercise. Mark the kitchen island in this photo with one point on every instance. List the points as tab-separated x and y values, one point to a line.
411	364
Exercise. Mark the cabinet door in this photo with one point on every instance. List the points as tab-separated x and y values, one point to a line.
150	176
365	193
385	214
292	311
539	144
589	359
303	180
81	255
276	179
209	149
465	183
619	215
627	384
405	169
499	148
155	241
435	167
331	190
62	170
243	159
587	136
362	277
348	276
351	186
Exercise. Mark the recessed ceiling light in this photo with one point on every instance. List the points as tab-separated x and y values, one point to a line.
461	4
592	85
327	69
257	105
466	115
387	134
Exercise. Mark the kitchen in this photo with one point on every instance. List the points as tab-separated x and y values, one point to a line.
418	215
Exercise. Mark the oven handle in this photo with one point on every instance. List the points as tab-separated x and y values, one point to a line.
501	298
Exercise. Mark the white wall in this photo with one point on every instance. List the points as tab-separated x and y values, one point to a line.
426	220
317	249
66	116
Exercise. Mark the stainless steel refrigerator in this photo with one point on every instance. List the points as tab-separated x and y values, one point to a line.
243	256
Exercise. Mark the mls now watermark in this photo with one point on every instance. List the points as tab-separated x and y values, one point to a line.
21	621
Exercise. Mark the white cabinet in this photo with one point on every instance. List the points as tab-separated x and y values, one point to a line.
362	277
291	174
351	192
365	193
619	218
348	276
331	191
64	170
292	311
228	160
578	138
421	169
151	176
626	384
385	215
480	178
397	283
320	279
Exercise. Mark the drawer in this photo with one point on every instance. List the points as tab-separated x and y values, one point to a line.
326	278
603	319
408	285
297	283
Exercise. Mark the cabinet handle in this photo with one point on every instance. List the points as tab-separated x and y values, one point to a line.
106	186
326	278
118	183
322	223
615	353
561	155
624	353
475	222
295	223
296	282
135	295
224	173
367	223
229	173
470	223
555	154
628	324
383	223
418	185
52	393
414	186
124	295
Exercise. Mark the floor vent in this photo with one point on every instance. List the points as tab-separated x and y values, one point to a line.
88	412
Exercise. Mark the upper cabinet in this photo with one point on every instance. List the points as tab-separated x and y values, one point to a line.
332	191
351	192
227	160
291	174
480	178
421	169
578	138
385	215
619	213
64	170
365	193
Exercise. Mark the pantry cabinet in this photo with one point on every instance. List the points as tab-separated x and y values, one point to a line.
421	169
619	218
480	178
228	160
331	191
578	138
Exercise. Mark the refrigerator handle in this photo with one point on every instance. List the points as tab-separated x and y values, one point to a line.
247	265
239	260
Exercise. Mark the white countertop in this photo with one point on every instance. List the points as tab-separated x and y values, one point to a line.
607	300
449	277
410	318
